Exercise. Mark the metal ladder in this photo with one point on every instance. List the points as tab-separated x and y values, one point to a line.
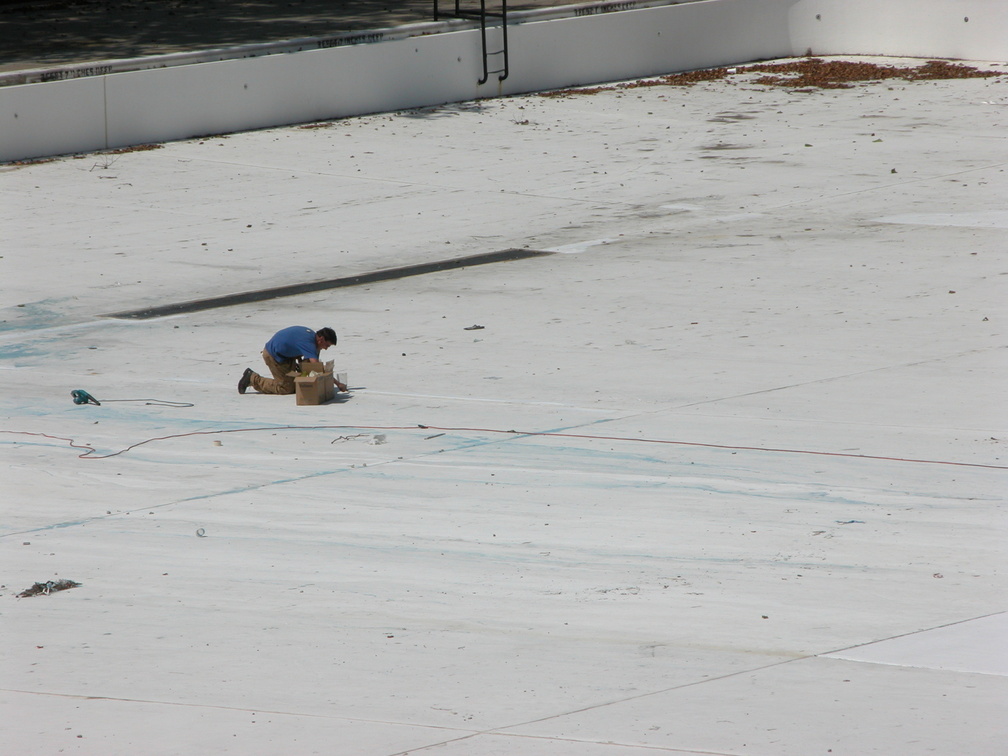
481	15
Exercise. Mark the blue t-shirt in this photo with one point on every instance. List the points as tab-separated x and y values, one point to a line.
293	343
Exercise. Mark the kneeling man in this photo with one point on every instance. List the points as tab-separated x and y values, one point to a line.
290	349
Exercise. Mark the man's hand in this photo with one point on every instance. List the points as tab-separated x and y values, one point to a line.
340	386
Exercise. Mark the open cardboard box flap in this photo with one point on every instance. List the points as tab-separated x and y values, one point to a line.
314	384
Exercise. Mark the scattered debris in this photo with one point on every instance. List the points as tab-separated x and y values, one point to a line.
134	148
200	532
32	161
807	73
347	438
474	327
840	74
50	586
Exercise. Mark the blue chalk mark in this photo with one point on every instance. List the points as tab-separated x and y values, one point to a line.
20	351
31	316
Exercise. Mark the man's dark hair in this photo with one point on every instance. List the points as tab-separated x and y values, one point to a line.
328	334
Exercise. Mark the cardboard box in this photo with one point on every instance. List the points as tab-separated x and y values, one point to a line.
313	387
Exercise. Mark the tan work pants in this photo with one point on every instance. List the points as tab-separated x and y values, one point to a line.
280	383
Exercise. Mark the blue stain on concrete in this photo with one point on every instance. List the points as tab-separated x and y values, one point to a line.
20	350
31	316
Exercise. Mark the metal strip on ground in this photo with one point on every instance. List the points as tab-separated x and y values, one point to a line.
261	295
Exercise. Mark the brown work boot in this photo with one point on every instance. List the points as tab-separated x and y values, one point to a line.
244	381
